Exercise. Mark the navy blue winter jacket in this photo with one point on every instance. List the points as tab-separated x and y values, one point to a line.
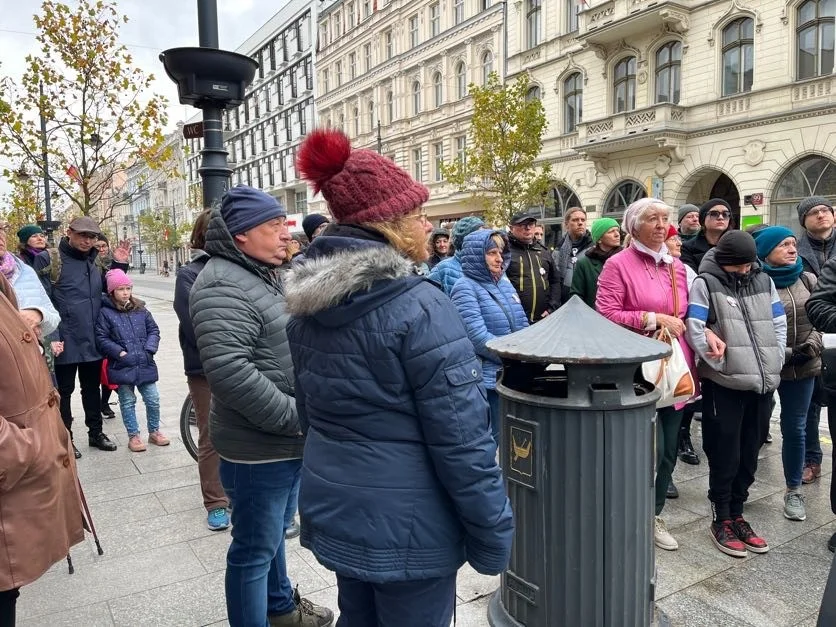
447	272
134	332
399	478
489	308
186	276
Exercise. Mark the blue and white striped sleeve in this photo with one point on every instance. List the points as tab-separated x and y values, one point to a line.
779	317
697	317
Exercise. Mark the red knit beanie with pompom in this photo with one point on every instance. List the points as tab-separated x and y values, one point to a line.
359	185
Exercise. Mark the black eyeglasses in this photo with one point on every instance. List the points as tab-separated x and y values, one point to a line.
818	211
719	215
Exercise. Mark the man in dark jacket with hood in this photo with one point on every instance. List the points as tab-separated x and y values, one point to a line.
715	219
238	311
816	245
575	242
439	247
73	280
533	271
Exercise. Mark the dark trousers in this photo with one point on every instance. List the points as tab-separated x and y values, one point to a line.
668	420
732	433
418	603
208	461
831	426
89	378
8	601
688	416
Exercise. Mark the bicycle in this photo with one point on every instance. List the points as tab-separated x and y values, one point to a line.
188	427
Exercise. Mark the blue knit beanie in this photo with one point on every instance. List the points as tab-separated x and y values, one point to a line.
244	207
465	227
767	239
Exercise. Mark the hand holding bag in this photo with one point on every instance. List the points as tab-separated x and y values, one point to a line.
671	375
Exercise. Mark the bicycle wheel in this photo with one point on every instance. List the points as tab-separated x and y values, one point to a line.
188	427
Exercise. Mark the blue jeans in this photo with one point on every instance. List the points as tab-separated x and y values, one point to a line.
795	402
292	503
496	417
417	603
127	406
812	444
256	574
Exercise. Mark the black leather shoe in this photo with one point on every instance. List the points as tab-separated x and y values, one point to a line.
102	442
107	412
672	492
831	544
76	452
686	450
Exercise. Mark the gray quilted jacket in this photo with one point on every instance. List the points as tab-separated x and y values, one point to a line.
238	310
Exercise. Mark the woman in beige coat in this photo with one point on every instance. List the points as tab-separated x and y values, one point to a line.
40	513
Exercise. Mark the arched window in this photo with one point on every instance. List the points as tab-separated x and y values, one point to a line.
532	22
738	56
533	93
390	106
815	35
416	98
356	114
572	102
624	85
438	94
461	80
487	66
622	196
811	176
668	72
560	198
370	109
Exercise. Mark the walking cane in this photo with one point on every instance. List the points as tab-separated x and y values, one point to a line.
87	522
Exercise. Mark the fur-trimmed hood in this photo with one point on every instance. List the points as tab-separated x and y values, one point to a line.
353	281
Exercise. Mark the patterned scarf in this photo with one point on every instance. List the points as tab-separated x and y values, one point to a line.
8	266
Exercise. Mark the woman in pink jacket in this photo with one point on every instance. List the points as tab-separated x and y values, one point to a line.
644	288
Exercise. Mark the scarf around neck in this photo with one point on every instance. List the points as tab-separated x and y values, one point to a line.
8	266
784	276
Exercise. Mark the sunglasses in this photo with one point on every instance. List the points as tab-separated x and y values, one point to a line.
719	215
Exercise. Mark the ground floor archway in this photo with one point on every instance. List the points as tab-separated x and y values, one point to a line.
710	183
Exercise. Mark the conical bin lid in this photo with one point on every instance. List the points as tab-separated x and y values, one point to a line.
577	334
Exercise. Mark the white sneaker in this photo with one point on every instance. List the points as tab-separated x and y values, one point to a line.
662	537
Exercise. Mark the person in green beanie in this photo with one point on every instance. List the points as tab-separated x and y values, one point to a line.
32	243
606	240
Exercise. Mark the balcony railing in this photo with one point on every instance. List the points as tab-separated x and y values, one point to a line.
614	20
638	128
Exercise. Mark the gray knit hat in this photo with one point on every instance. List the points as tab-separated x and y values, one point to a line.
808	203
684	210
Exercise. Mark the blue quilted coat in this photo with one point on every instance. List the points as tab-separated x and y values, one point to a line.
399	479
489	308
134	332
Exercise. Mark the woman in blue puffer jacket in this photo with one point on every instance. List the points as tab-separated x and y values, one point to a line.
488	304
400	484
449	270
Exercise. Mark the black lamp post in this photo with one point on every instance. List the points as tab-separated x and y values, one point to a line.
213	80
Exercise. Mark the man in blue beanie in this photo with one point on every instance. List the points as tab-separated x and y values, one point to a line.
449	270
238	311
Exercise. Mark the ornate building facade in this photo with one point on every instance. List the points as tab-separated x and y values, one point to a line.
683	100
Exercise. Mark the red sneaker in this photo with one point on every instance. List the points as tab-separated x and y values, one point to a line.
744	532
726	540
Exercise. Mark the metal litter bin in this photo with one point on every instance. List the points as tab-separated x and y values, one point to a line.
577	450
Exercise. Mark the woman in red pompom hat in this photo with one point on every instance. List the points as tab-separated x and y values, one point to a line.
400	484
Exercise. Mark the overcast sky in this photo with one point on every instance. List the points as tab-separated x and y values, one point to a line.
154	26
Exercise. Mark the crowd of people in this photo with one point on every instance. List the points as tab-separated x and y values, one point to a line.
348	375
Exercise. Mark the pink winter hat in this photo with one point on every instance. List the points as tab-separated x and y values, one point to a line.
117	278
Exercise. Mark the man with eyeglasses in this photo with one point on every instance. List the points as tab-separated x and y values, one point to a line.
816	244
73	281
715	219
533	271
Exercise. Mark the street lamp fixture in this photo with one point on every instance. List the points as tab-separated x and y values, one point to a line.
213	80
